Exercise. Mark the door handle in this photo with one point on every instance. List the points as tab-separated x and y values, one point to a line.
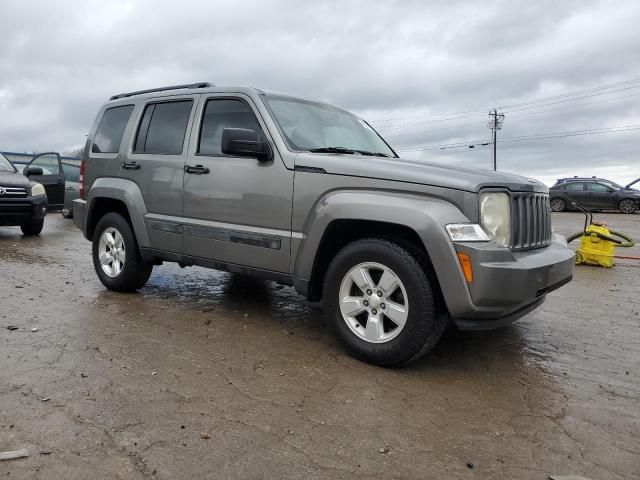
130	165
197	170
60	182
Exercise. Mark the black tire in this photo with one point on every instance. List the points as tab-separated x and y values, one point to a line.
558	205
135	272
32	227
67	213
426	318
627	206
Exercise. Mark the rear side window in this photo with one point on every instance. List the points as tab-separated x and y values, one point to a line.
221	114
111	129
163	128
575	187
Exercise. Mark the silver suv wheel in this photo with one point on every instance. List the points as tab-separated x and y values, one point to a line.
373	302
111	252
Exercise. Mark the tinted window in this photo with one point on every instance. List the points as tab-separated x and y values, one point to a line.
597	187
575	186
111	129
221	114
71	172
163	128
48	163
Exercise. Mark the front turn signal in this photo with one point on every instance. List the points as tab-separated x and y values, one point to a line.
465	263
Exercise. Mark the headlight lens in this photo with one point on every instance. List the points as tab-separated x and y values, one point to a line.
466	232
495	216
37	189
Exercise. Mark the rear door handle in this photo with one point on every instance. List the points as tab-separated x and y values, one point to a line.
197	170
130	165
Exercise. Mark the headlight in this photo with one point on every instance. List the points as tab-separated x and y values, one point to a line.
37	189
466	232
495	216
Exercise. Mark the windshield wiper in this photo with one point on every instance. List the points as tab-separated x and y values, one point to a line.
347	151
332	150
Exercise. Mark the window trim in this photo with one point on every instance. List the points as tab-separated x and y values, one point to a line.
206	101
153	102
93	138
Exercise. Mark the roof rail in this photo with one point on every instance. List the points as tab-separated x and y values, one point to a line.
162	89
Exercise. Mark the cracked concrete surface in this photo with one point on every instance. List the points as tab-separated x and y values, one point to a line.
122	386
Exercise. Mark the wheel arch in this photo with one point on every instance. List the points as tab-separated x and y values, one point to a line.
412	220
121	196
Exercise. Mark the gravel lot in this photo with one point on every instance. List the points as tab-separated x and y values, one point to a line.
207	375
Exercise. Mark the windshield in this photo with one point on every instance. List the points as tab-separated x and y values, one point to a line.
317	127
5	164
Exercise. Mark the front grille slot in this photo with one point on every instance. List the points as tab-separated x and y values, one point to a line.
530	221
13	192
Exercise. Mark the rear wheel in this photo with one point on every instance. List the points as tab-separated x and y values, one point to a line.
116	257
627	206
67	213
382	302
32	227
558	205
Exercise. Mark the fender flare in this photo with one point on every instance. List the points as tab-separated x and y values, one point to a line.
128	192
427	216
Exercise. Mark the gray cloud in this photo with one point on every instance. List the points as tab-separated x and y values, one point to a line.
59	61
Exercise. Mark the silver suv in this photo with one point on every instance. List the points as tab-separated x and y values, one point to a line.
309	195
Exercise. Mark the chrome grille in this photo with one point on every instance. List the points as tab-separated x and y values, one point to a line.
530	221
13	192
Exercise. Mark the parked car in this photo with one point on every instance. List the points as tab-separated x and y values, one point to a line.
52	177
23	202
71	187
309	195
594	194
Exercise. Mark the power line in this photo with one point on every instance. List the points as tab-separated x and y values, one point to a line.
467	113
541	136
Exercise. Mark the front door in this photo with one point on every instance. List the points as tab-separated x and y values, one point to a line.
601	195
52	178
236	210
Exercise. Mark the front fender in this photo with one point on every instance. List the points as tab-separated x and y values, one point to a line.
427	216
127	192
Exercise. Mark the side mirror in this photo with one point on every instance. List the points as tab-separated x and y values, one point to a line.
28	171
244	142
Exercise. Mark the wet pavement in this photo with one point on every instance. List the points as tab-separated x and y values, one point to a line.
207	375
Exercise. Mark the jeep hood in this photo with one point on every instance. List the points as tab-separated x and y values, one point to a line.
11	179
411	171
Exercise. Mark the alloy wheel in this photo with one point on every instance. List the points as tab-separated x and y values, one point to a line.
111	252
373	302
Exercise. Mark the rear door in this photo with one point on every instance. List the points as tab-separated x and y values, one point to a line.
575	192
155	161
52	177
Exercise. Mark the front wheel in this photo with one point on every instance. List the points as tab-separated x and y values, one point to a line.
32	227
558	205
67	213
382	302
627	206
116	257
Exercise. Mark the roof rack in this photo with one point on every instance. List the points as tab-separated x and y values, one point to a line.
162	89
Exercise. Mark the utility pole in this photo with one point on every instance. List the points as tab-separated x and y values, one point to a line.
495	123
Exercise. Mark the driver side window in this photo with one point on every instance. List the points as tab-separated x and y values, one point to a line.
220	114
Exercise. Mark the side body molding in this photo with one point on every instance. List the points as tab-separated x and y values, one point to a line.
129	193
427	216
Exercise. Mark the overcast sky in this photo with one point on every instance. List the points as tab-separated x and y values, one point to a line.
403	65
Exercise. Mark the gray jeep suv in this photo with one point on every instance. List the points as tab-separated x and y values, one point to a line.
309	195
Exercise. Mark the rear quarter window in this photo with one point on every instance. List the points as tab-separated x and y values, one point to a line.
109	134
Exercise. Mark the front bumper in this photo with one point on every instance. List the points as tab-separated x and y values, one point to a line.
17	210
508	285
